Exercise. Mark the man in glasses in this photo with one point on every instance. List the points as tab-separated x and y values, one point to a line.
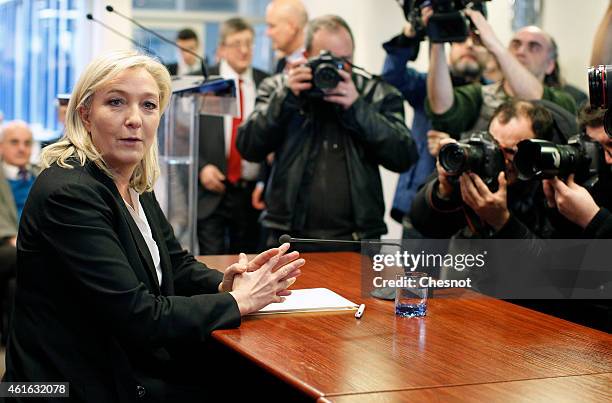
227	222
515	210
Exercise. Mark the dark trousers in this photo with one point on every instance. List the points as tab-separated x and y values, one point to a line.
233	227
8	268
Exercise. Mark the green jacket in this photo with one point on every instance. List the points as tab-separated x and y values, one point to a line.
467	114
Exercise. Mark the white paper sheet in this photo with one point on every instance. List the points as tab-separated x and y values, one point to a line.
309	300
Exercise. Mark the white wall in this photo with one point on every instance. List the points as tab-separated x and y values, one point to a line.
573	24
101	39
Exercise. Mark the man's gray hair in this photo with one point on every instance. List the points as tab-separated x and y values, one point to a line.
13	123
328	22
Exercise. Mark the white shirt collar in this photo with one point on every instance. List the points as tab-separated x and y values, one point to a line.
226	71
295	55
184	69
11	171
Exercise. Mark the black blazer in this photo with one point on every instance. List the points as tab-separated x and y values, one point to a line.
212	150
89	309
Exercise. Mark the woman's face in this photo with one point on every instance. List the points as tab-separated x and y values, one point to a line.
123	119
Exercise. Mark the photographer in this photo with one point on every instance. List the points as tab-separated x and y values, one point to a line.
328	144
589	210
469	209
467	62
529	58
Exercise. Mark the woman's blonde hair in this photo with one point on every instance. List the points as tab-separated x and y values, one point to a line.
76	141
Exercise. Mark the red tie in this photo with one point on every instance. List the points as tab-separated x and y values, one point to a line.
233	162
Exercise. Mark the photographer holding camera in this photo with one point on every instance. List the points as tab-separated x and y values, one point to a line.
529	57
589	209
467	207
330	128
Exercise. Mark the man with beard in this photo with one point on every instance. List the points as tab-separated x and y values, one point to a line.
466	62
529	57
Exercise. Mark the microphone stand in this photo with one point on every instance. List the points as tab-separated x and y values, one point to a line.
145	48
386	293
110	9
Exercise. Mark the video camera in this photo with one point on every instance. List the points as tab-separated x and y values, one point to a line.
600	92
325	73
543	159
447	24
479	153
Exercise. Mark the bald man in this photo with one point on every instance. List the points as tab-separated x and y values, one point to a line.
16	179
526	61
286	20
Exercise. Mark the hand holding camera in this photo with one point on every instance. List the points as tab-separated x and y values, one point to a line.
445	187
571	199
344	94
485	31
299	77
491	207
322	77
434	141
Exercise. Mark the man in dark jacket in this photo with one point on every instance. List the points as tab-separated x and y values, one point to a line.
325	180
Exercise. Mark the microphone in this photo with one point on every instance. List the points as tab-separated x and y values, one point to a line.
386	293
286	238
110	9
146	49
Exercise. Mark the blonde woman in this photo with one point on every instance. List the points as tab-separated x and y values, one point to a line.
105	293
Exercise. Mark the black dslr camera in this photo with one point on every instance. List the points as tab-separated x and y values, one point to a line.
600	92
447	24
543	159
325	73
479	153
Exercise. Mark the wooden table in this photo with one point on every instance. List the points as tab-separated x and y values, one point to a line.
468	348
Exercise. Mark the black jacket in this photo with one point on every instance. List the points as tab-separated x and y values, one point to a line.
374	134
212	150
89	309
437	218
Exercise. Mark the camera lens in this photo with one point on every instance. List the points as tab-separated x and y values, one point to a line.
528	158
326	76
453	158
544	159
599	90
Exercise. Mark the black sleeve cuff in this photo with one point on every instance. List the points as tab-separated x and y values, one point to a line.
600	226
513	229
453	203
403	41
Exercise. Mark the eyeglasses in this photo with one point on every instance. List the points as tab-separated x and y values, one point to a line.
239	45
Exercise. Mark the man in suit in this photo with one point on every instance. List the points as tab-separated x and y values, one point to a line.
187	63
16	179
227	222
286	20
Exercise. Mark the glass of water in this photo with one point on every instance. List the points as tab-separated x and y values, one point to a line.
411	295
